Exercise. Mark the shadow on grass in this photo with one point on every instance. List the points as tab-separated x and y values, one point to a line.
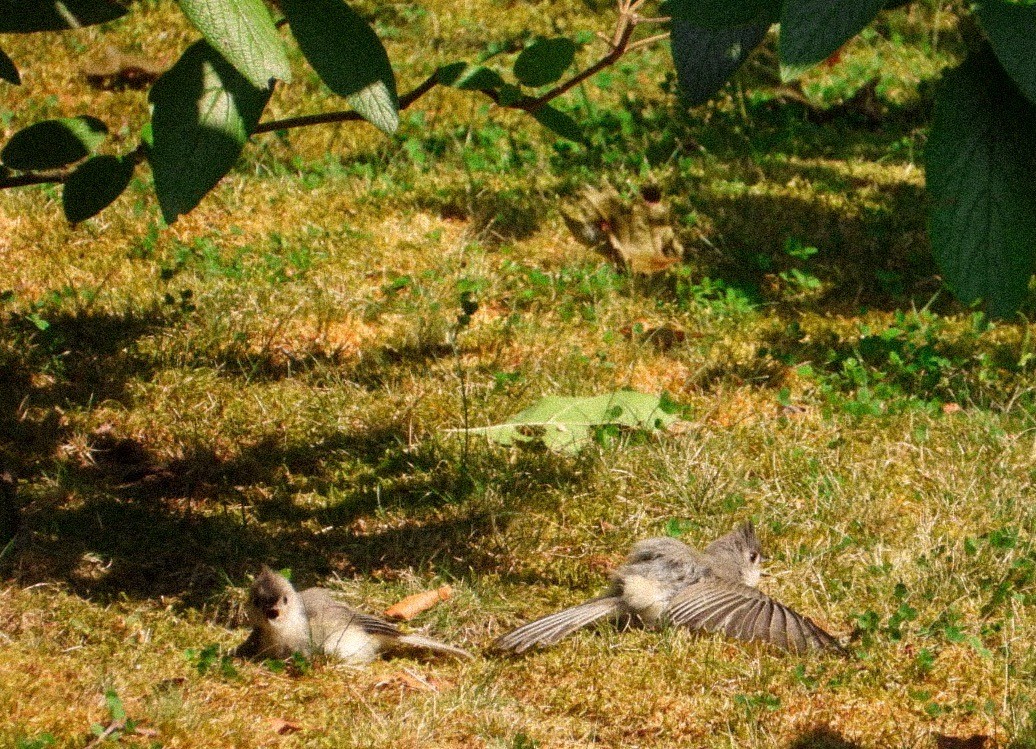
131	526
121	521
774	175
61	361
496	216
822	738
322	366
51	362
874	256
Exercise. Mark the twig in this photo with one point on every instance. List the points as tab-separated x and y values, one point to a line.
647	41
113	727
325	118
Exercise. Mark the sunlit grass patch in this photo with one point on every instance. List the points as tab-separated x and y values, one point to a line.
282	377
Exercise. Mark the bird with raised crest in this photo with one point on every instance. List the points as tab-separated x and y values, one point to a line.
666	582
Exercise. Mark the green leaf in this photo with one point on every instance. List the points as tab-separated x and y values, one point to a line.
544	61
8	71
565	424
469	77
559	122
448	74
203	111
348	56
28	16
243	32
980	164
53	143
706	58
813	30
723	14
1012	32
94	185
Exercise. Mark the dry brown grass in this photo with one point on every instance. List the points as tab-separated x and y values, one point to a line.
271	380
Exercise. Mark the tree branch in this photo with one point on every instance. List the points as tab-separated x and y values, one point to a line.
325	118
620	43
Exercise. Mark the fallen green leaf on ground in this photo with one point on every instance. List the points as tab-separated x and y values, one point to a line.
565	424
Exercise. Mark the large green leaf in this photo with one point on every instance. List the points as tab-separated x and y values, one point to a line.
723	14
566	424
8	71
243	32
203	111
1012	32
705	58
544	61
348	56
94	185
813	30
981	170
27	16
53	143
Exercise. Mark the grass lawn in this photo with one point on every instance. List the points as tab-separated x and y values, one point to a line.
275	379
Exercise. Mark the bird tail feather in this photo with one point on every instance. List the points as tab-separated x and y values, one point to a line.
427	643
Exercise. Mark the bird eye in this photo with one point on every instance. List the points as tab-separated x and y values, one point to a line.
284	600
753	557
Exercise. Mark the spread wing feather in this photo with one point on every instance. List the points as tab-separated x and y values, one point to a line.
551	629
744	613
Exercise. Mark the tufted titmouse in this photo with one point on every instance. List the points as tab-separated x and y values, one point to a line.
285	621
664	581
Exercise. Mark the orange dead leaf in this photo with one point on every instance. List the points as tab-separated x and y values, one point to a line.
413	605
951	408
283	727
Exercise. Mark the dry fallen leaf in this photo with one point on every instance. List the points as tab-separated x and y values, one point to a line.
637	237
113	70
283	727
413	605
951	408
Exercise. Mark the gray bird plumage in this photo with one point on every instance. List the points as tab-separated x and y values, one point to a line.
285	621
664	581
